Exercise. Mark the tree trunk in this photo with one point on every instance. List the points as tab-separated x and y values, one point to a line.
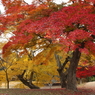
62	79
62	74
71	78
7	79
25	82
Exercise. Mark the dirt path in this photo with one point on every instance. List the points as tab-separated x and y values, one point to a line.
89	85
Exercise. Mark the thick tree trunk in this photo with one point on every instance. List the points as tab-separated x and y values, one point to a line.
71	78
27	83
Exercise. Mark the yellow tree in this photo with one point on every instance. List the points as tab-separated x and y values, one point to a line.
5	65
47	57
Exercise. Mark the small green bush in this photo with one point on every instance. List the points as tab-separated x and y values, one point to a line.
92	78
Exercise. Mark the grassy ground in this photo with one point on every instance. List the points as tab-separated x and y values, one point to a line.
45	92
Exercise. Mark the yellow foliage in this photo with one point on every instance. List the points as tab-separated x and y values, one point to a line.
44	64
87	60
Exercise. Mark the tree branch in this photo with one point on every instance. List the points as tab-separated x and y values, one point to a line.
25	82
